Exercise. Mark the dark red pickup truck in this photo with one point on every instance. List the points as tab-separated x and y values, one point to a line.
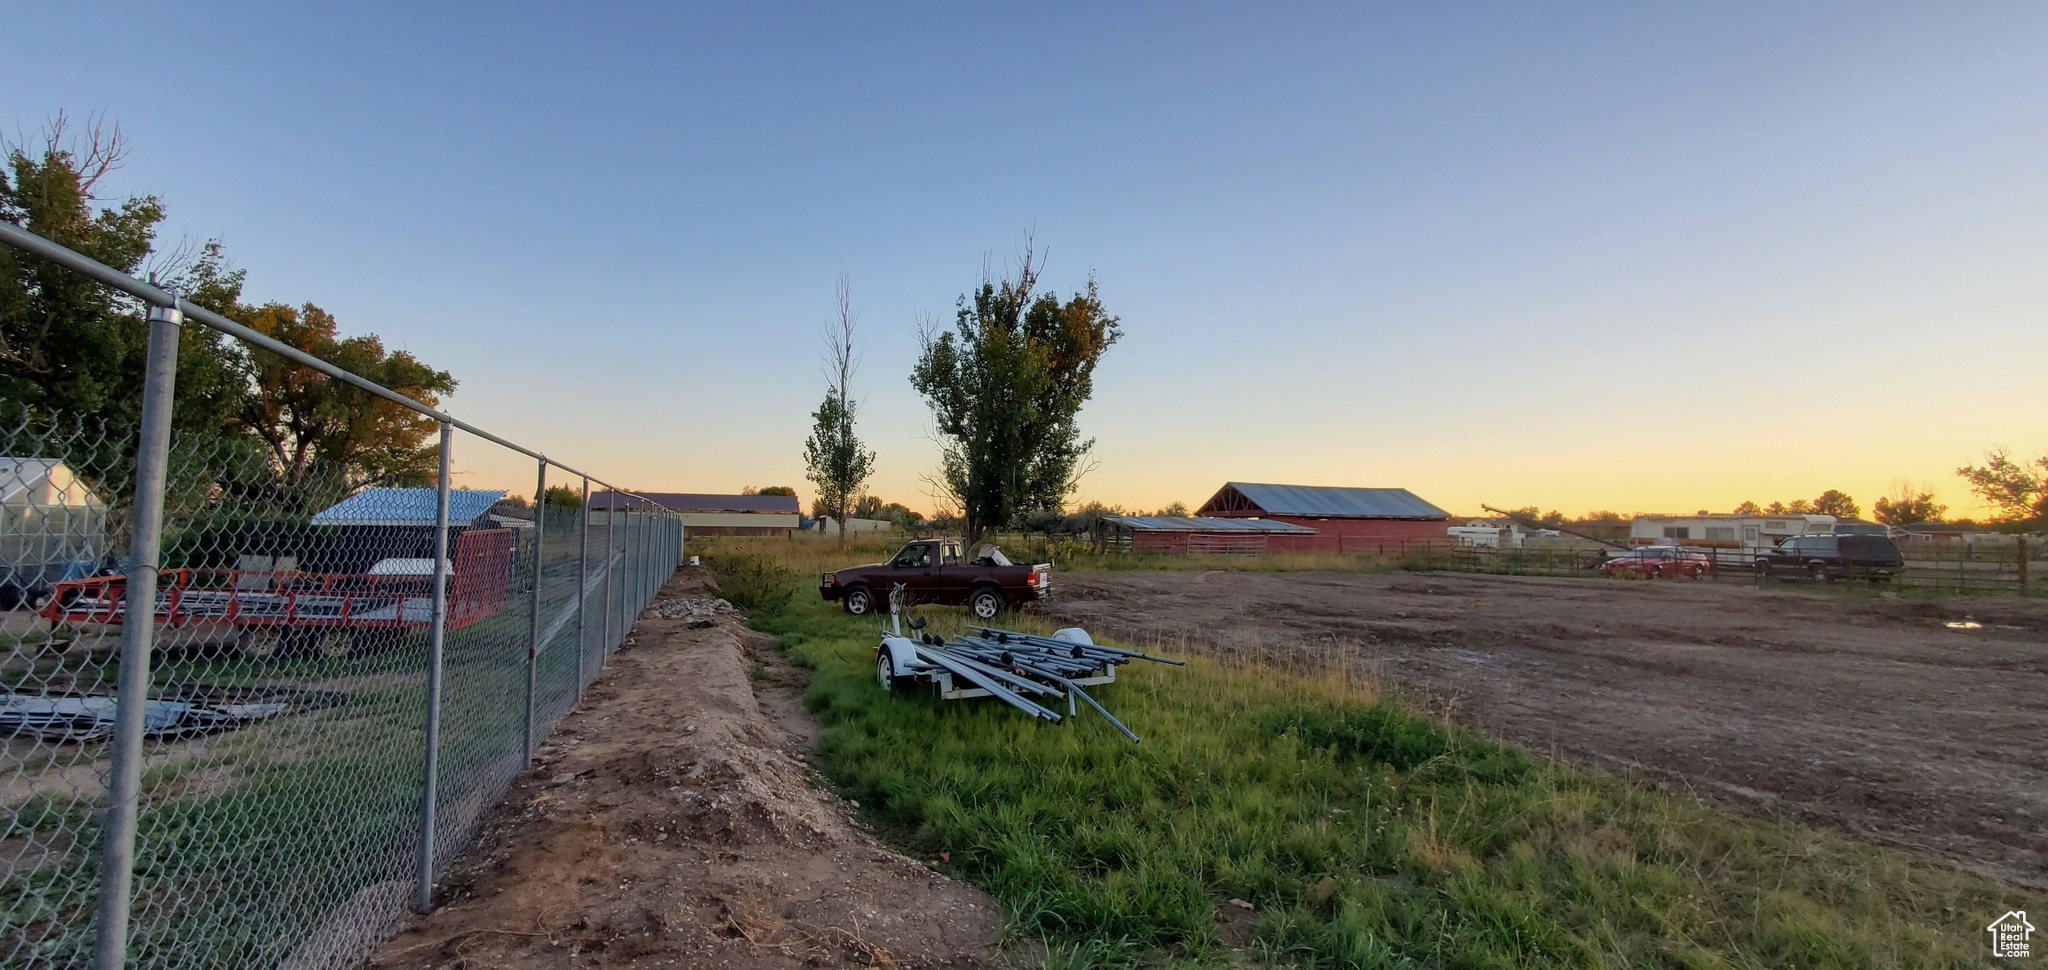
934	571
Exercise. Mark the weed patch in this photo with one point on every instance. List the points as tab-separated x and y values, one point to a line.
752	581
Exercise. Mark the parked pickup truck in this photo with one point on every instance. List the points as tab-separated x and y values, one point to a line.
934	571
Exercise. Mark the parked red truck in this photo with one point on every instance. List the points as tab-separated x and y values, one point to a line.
935	571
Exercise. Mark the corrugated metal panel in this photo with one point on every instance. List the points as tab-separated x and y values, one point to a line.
1382	503
700	502
1174	523
406	506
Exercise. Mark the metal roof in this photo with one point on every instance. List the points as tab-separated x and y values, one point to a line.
1180	523
699	502
1319	500
406	506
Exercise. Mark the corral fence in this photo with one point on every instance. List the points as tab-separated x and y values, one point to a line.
1952	567
333	677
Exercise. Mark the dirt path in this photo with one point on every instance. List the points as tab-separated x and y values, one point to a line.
671	822
1861	711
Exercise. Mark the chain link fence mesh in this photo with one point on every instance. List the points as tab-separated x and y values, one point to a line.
283	803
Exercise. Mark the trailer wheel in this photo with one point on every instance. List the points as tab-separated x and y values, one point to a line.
859	601
986	603
260	642
330	643
885	673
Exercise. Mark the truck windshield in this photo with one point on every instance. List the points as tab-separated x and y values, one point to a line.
915	555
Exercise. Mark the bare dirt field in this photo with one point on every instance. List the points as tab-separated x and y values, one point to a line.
1862	711
672	822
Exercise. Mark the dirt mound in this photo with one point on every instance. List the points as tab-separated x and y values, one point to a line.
671	822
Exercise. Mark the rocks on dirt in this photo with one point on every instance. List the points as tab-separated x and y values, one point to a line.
692	608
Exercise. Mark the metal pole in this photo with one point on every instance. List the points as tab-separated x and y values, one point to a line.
582	583
631	607
424	901
124	786
540	535
631	590
611	514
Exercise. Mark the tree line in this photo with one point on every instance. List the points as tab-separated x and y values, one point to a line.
2016	489
73	350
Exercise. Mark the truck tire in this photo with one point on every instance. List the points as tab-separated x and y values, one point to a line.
1820	573
985	603
858	601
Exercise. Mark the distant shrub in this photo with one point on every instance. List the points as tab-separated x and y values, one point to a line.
753	582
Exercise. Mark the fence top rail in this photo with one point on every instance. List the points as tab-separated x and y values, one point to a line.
155	295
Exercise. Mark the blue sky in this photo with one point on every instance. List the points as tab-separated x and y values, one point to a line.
1597	256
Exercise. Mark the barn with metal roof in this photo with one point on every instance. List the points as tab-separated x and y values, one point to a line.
1180	535
705	514
1352	520
387	523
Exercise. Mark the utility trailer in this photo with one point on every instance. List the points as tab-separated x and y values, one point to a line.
1012	667
288	611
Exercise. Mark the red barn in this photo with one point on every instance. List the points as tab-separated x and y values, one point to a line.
1184	536
1354	520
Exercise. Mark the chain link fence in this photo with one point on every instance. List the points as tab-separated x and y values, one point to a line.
339	673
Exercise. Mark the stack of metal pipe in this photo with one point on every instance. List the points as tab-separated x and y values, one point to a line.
1018	667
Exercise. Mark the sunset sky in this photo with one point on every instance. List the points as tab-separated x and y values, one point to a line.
1623	256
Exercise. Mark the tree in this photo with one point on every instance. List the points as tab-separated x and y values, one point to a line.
1005	387
1175	510
1837	503
776	490
834	458
2018	489
565	496
69	346
1909	506
1748	508
249	424
330	434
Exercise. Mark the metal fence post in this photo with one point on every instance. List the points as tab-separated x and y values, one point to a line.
611	514
582	583
540	536
436	640
124	786
630	607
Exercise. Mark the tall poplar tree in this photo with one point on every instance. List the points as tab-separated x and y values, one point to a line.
834	458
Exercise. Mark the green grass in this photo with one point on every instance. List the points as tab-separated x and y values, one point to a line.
1363	835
